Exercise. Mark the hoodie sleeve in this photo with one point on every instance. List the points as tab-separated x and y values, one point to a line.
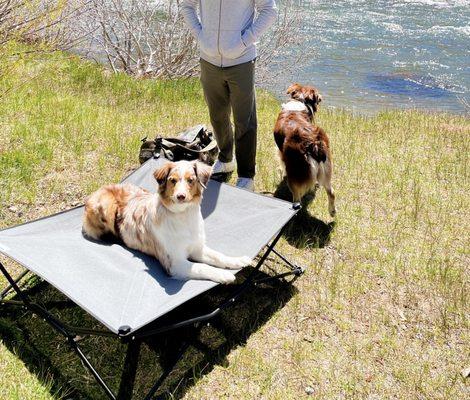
189	11
267	13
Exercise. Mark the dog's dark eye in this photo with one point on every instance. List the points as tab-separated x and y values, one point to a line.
173	180
190	180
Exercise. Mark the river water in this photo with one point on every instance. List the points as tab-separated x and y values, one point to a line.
374	55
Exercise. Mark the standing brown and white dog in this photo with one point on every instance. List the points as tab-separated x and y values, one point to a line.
167	225
304	148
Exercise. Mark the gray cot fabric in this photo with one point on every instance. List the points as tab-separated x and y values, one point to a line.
120	286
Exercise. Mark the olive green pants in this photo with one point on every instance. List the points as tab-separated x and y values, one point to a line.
229	89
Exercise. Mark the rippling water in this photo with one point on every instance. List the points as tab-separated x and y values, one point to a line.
372	55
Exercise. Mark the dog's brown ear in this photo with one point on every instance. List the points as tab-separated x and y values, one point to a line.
162	173
203	172
313	95
294	89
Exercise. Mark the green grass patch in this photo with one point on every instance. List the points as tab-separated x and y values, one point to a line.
382	311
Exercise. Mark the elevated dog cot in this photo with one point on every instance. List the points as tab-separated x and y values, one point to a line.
126	290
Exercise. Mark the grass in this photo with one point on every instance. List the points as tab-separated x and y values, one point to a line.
382	311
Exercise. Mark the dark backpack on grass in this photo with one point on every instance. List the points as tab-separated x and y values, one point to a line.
196	143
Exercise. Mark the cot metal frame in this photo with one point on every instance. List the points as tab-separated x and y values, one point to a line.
73	334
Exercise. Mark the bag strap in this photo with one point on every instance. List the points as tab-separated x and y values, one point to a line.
175	141
212	145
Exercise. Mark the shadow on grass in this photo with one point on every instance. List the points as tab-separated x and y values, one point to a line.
133	371
304	230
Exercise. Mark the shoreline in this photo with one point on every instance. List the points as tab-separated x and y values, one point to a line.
364	108
277	90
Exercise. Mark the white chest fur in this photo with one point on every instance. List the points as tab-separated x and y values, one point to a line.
181	232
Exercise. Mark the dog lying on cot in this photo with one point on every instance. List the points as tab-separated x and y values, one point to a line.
304	148
167	225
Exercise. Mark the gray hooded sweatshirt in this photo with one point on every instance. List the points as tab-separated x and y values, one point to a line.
227	30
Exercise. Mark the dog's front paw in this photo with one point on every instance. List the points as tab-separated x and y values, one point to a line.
245	260
224	277
238	262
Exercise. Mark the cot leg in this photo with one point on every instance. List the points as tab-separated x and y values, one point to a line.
294	267
9	287
59	327
13	285
90	367
130	369
271	247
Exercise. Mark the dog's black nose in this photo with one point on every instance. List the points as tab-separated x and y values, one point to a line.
181	196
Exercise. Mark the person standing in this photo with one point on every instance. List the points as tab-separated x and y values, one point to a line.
226	32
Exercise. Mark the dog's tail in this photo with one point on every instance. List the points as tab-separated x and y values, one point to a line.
317	151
